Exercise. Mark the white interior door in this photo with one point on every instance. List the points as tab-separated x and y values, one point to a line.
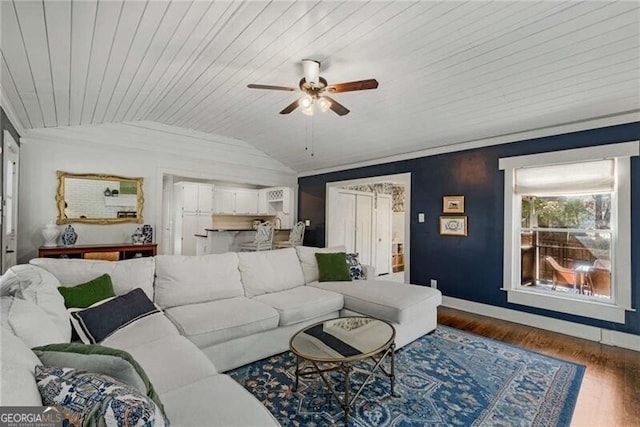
383	234
10	202
342	217
398	223
364	228
350	220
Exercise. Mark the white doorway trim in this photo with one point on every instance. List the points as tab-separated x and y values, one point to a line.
402	179
9	212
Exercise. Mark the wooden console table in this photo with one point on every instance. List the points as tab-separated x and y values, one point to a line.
118	251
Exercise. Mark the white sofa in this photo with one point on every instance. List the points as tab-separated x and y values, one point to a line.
235	308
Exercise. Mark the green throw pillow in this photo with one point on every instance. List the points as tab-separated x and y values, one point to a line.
333	267
86	294
109	361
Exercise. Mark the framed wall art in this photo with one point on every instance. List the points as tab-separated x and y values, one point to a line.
453	226
453	204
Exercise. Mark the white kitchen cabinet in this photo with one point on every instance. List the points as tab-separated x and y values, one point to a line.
246	202
263	206
236	201
192	214
279	203
193	224
279	199
201	245
224	201
195	197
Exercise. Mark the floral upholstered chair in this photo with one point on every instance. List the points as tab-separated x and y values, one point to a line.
296	236
263	241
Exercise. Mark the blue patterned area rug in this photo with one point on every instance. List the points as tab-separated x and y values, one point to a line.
447	378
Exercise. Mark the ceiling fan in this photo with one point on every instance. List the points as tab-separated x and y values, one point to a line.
314	87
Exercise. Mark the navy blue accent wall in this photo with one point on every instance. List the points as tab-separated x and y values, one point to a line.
470	267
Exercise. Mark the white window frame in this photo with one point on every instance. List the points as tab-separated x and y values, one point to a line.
613	310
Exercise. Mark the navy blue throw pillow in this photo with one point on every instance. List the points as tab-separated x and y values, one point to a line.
100	321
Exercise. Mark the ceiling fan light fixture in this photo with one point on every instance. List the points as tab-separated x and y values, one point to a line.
308	110
311	71
324	104
306	102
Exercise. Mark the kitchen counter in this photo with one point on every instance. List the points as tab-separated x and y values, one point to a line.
228	240
242	229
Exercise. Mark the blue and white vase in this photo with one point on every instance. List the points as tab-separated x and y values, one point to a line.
137	238
69	236
147	232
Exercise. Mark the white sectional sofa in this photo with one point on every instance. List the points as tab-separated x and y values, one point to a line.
219	312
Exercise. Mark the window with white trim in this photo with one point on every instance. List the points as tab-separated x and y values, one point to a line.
567	228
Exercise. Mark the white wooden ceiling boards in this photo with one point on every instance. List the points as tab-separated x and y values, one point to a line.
449	72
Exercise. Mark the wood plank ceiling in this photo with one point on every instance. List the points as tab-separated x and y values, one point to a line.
449	71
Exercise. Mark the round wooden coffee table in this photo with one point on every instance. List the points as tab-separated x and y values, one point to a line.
334	345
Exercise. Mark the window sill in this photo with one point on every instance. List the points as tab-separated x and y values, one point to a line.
559	303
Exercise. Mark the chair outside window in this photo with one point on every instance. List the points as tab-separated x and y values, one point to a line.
561	275
577	278
296	236
263	241
600	278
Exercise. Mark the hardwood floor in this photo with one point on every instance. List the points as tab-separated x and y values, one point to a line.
610	391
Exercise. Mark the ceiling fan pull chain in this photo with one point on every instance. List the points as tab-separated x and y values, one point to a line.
312	120
306	135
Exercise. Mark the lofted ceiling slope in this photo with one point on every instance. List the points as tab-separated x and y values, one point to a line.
449	71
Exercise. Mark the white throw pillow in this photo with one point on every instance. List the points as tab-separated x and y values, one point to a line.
182	280
28	322
40	287
265	272
18	386
308	262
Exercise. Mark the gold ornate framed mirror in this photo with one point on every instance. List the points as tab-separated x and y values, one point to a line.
98	198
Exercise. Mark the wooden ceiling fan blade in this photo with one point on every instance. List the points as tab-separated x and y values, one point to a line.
336	107
351	86
270	87
289	108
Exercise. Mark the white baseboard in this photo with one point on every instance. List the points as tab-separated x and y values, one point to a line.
592	333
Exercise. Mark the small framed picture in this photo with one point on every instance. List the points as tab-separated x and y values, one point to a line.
453	204
453	226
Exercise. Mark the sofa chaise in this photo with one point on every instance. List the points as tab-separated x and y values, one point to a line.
218	312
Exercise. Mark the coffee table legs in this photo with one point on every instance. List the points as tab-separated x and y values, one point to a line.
346	369
346	404
295	388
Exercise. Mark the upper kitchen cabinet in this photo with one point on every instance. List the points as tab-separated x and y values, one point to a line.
195	197
224	201
246	202
235	201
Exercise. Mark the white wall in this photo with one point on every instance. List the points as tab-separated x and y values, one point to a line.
139	149
397	227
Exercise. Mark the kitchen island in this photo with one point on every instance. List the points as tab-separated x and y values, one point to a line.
220	240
